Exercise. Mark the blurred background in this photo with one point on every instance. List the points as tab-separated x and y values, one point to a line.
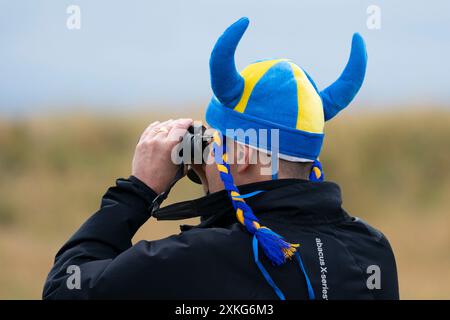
73	102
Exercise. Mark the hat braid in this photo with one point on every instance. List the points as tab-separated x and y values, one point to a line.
274	246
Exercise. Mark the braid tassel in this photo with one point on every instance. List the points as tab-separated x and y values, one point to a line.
274	246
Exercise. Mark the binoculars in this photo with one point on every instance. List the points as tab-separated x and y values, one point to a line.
194	143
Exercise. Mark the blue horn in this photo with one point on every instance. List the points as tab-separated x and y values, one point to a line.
338	95
226	82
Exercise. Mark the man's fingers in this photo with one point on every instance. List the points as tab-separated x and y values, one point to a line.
148	129
153	124
173	130
153	129
163	129
178	130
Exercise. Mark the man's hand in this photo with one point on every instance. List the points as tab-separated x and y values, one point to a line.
152	163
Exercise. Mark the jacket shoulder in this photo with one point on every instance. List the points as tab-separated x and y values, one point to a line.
370	249
196	241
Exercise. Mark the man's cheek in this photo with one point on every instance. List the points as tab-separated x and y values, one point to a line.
213	177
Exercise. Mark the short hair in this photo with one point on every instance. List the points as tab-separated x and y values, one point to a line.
299	170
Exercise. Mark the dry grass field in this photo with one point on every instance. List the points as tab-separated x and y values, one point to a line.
393	167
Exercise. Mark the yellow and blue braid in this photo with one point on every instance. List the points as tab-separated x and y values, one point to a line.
274	246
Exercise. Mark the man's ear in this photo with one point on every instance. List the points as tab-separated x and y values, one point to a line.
244	157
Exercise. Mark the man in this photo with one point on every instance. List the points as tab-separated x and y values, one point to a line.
278	235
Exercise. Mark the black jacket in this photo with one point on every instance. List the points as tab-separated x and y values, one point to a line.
214	259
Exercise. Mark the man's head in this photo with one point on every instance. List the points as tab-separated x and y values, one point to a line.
248	165
276	95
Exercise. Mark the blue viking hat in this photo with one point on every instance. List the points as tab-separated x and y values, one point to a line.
274	94
278	94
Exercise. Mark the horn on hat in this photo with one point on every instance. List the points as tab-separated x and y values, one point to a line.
339	94
227	84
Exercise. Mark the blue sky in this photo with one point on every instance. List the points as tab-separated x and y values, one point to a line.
132	54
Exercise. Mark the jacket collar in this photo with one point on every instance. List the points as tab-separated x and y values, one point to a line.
292	200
